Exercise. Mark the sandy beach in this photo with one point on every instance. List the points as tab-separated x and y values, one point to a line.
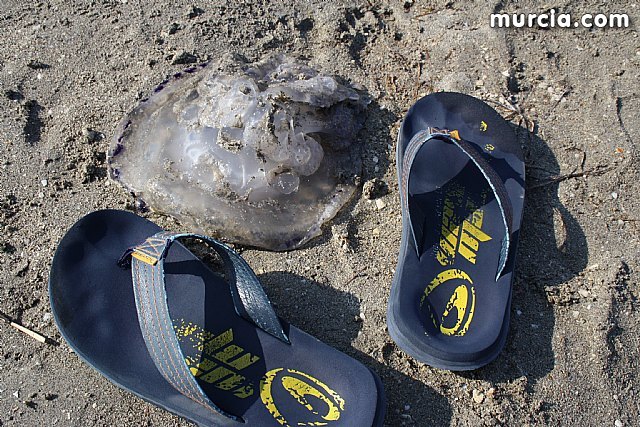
71	70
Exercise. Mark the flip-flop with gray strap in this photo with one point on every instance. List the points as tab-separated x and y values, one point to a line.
146	313
461	179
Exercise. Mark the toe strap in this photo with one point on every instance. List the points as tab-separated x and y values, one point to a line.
147	272
490	175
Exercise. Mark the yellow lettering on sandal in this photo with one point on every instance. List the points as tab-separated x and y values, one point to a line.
470	239
457	235
202	367
228	353
301	386
218	342
211	353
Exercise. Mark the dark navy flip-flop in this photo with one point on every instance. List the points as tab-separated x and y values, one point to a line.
151	317
461	180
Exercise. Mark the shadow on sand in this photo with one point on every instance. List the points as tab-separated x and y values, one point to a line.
552	250
328	314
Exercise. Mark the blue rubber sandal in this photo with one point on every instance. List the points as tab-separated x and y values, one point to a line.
142	310
461	180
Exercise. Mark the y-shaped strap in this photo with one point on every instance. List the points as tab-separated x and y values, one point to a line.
495	182
147	271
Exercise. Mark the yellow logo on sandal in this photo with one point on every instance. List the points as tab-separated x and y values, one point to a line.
458	312
324	405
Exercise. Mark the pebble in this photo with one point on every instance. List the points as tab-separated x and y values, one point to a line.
618	423
182	57
380	204
16	394
376	231
194	12
91	135
519	312
478	396
575	313
374	188
44	182
584	293
614	195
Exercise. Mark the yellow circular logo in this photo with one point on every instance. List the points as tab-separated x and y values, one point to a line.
458	312
325	407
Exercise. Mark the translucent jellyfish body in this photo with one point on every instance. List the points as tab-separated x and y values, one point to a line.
260	154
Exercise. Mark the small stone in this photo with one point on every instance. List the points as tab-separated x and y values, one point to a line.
374	188
618	423
173	28
182	57
614	195
575	313
491	393
584	293
375	231
380	204
21	269
478	396
375	159
91	135
407	407
519	312
16	394
362	316
194	12
44	182
340	234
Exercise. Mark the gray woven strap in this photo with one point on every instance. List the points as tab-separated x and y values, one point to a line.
495	182
147	271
